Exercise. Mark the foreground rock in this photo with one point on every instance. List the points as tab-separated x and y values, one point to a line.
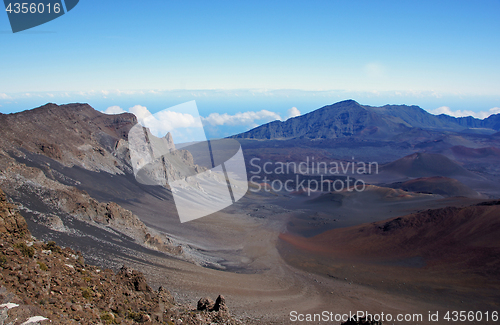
42	282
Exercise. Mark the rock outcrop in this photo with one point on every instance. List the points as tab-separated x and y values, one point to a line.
207	304
80	205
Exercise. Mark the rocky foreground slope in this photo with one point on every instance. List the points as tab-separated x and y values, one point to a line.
42	282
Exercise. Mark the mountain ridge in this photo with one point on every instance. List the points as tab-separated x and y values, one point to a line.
348	118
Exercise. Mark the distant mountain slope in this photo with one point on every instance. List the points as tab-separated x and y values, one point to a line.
492	122
436	185
453	237
464	152
426	165
350	119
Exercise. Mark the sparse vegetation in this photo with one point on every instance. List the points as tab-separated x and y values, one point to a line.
3	260
86	293
52	246
42	266
26	250
109	318
137	317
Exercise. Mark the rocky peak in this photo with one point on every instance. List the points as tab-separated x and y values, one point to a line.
170	141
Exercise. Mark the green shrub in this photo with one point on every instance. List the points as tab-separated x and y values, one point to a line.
42	265
26	250
86	293
3	260
137	317
52	246
108	318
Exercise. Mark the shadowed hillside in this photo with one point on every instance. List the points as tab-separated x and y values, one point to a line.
436	185
426	165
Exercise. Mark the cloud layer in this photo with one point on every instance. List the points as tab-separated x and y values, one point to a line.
250	118
247	118
161	122
216	125
459	113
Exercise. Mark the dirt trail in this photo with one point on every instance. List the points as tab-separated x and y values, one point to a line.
267	289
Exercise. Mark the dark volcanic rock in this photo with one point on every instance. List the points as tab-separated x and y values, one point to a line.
220	304
205	304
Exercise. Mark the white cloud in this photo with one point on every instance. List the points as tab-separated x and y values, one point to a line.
166	121
293	112
4	96
161	122
459	113
114	110
246	118
141	112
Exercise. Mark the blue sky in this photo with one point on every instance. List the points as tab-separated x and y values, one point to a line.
240	56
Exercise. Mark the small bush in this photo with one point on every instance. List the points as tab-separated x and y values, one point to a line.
86	293
108	318
137	317
52	246
3	260
42	266
26	250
